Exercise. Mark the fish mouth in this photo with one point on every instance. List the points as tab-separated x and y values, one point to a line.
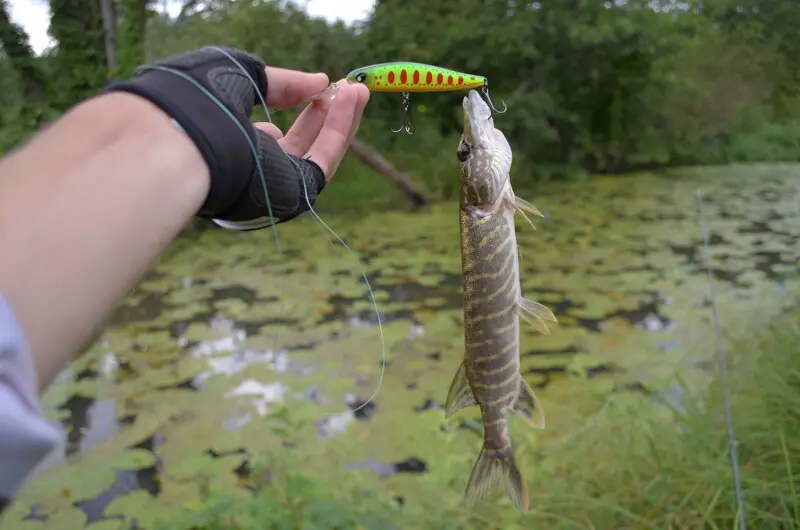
478	122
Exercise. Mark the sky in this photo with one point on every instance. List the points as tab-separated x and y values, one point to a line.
34	15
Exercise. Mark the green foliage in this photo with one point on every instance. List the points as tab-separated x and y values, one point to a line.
80	59
19	54
25	91
132	17
593	86
294	501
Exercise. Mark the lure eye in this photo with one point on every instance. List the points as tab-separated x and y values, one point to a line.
462	153
361	77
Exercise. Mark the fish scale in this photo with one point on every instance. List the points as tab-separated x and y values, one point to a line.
489	376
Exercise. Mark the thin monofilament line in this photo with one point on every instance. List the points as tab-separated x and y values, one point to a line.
737	481
263	180
319	220
239	125
253	150
329	93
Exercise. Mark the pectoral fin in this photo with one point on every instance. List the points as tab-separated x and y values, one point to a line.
528	407
535	314
460	394
522	206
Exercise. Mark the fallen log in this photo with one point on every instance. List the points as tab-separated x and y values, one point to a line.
377	162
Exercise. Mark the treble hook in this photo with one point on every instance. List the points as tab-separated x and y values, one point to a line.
485	91
407	125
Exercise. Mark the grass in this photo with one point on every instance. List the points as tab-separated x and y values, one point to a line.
678	474
630	469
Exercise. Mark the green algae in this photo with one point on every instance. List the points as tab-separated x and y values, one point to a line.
623	273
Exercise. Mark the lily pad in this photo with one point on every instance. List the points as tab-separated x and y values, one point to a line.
137	505
581	363
134	459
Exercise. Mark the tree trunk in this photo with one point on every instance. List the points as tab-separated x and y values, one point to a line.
187	7
109	15
376	161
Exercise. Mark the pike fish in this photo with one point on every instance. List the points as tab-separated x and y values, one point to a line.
489	375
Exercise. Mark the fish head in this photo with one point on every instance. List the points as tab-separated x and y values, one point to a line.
484	156
360	75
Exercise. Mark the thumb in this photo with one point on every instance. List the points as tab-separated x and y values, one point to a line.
270	129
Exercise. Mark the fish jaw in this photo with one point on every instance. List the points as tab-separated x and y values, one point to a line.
478	121
484	155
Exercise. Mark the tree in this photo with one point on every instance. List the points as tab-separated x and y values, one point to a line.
80	57
33	81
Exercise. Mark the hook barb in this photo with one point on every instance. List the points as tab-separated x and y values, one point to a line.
495	110
407	125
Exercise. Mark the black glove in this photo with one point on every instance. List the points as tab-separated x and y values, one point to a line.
236	195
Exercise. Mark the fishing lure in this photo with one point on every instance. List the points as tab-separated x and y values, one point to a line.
417	77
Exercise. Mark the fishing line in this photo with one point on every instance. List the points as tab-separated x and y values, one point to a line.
263	180
319	219
737	481
328	93
253	150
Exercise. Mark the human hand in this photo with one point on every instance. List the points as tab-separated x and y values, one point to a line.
325	129
316	142
295	167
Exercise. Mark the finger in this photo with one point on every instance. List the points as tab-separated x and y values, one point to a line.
305	128
332	142
363	99
287	88
270	129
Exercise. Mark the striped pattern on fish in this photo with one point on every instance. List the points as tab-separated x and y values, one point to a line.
489	375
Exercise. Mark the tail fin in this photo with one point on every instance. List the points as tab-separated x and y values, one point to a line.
485	473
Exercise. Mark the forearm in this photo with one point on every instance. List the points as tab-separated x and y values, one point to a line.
84	210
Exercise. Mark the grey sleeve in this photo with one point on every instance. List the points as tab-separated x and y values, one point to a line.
25	436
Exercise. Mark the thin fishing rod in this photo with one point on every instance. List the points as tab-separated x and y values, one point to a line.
737	481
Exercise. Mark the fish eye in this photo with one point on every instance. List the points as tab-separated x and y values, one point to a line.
463	152
361	77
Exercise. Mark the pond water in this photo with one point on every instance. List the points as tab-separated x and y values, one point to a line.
225	331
